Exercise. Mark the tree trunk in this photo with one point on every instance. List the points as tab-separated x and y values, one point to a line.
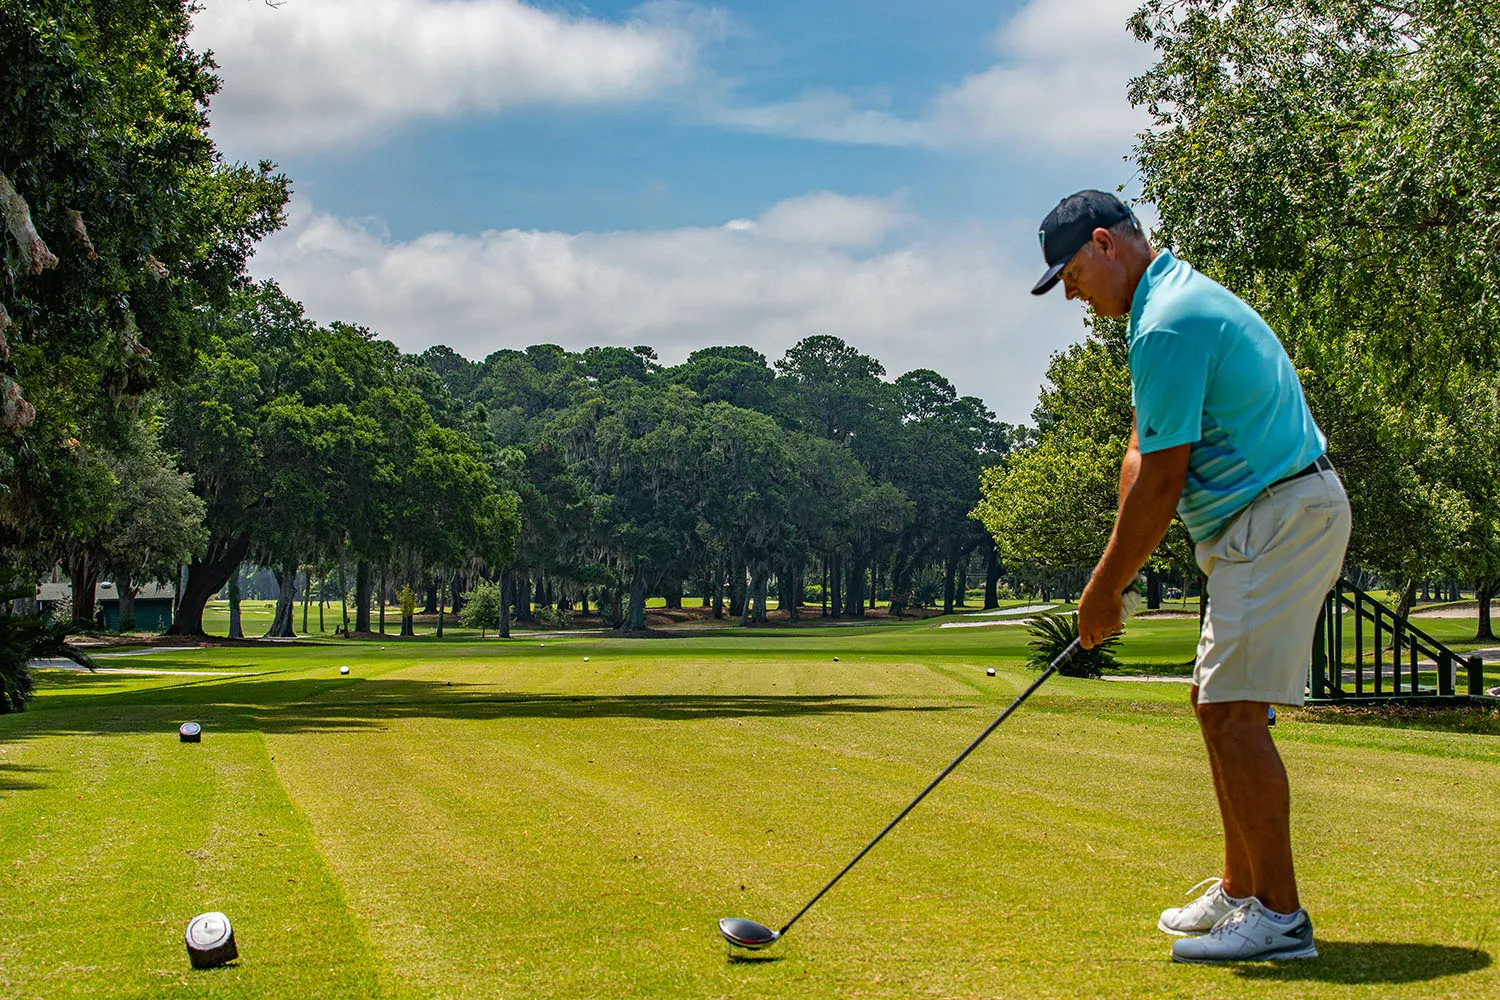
507	582
126	589
736	589
718	587
794	602
1153	589
306	595
236	626
961	588
286	597
361	596
83	578
992	579
205	577
523	598
949	570
382	600
673	593
343	602
636	621
746	604
459	585
708	588
441	586
1485	590
1202	600
1408	596
430	607
835	581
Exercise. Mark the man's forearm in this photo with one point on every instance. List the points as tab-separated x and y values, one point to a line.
1146	510
1149	490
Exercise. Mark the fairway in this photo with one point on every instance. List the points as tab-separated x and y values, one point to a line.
503	819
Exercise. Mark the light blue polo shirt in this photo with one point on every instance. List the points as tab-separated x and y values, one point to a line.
1206	370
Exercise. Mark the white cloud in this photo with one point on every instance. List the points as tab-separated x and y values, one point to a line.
326	72
1059	86
950	301
833	220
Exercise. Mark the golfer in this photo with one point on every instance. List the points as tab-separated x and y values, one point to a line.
1222	435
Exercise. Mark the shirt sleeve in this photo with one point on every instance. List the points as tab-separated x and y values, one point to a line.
1168	380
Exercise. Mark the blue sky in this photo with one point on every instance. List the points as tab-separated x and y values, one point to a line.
492	173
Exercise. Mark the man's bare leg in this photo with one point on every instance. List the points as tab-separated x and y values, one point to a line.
1254	793
1239	877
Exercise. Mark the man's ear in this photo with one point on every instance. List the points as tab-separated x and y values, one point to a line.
1105	241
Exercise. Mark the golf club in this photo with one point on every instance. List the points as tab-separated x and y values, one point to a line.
752	936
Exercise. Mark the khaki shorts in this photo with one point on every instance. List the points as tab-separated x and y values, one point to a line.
1269	570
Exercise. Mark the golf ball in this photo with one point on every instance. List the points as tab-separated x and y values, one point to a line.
835	659
990	672
343	670
585	659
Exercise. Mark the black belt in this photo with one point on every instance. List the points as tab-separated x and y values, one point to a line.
1321	465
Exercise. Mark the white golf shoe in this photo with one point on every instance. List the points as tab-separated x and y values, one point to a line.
1199	916
1249	934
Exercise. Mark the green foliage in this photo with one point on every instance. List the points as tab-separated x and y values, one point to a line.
406	600
1052	633
1332	162
551	616
481	608
106	141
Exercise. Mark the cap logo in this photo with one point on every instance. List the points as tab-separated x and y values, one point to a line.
1041	237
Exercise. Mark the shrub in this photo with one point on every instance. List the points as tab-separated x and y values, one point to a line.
481	608
548	615
1053	633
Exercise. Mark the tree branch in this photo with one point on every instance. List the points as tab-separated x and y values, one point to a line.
18	221
15	413
76	217
4	325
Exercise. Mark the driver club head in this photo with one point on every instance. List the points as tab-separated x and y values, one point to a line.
747	933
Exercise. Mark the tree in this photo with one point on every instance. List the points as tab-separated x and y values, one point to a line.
482	608
1332	162
157	523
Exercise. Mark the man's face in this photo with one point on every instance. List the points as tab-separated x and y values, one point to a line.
1097	276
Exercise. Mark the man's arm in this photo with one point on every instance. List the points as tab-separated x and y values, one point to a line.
1150	486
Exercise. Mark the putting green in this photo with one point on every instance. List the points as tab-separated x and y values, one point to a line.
503	819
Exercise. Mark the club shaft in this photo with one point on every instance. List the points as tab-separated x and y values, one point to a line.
1052	668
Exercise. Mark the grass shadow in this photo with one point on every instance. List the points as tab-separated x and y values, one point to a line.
308	705
11	780
1373	962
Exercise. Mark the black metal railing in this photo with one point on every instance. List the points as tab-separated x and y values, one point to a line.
1398	653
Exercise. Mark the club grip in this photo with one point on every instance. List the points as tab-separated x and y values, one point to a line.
1132	599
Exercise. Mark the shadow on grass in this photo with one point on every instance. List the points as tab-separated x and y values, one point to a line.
11	779
1478	719
306	705
1358	962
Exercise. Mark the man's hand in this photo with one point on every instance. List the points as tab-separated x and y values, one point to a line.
1100	615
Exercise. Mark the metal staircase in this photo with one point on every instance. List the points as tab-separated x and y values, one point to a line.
1364	652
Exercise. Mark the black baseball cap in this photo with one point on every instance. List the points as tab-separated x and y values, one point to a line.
1070	225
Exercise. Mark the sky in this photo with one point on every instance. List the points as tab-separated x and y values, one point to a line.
493	174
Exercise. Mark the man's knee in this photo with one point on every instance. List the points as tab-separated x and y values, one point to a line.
1230	719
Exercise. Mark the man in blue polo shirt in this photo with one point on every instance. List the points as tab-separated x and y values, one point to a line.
1223	437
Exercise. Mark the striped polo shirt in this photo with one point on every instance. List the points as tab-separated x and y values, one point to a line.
1206	370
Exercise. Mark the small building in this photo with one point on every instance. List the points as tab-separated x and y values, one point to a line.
153	604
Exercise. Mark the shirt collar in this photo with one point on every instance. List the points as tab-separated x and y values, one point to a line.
1164	262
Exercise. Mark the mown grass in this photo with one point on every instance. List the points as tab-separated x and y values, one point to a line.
504	819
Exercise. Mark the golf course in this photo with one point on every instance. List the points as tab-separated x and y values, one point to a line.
553	816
